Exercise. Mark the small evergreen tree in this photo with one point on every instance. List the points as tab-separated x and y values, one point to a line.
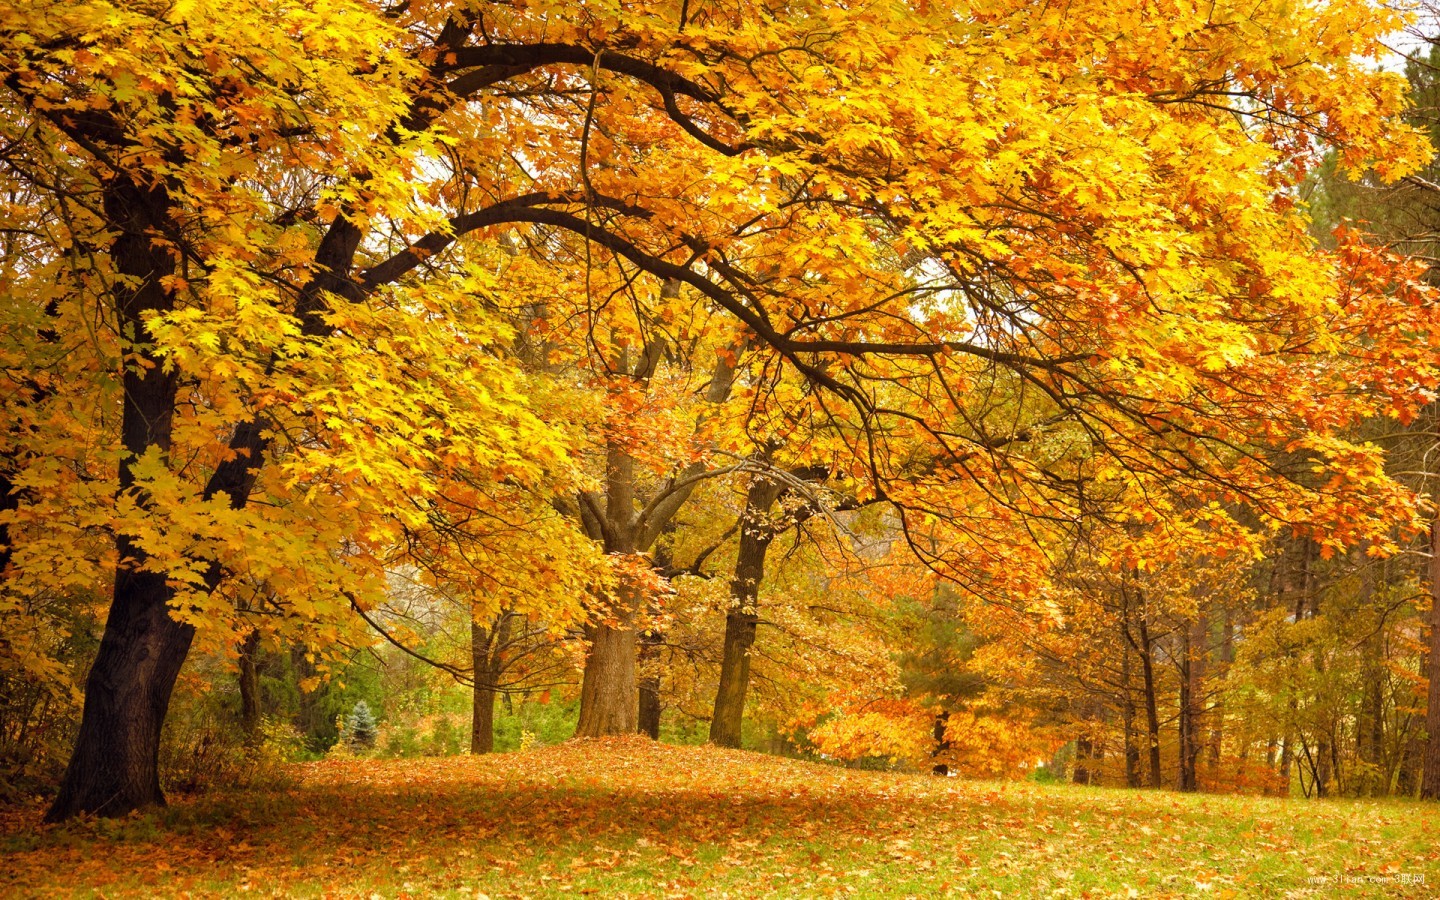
360	726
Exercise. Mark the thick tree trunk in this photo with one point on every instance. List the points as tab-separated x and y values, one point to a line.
608	693
729	713
482	719
756	533
482	707
1430	777
115	766
488	647
250	686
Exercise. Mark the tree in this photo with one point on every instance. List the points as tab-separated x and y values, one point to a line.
277	216
360	727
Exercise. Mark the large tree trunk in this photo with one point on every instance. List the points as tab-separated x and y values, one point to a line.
729	715
1430	777
608	693
756	533
115	766
482	706
482	718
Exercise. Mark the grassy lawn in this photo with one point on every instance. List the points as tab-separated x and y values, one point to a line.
631	818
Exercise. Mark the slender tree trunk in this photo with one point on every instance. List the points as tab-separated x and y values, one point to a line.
1152	711
756	533
1191	692
1083	749
1430	777
1217	710
651	640
1287	761
12	462
250	686
649	715
309	717
942	743
1127	714
1185	775
115	766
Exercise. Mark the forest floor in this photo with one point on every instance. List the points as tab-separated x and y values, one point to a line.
627	817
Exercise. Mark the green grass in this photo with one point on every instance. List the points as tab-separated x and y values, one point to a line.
630	818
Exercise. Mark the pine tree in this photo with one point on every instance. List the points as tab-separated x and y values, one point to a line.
360	726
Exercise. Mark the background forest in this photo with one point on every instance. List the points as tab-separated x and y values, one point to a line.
1019	393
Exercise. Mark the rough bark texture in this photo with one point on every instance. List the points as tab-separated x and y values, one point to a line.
482	719
608	693
115	766
487	660
756	534
1430	777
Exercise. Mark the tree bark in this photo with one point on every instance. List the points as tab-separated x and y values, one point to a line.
1127	718
1084	747
250	686
608	693
115	766
756	534
487	664
1430	775
1190	705
1216	737
1152	712
649	715
942	743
